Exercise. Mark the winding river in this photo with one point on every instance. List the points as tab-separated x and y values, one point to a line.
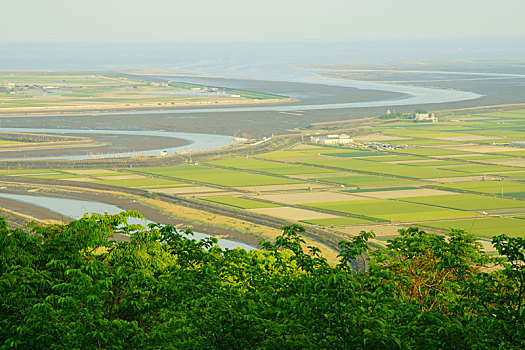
196	142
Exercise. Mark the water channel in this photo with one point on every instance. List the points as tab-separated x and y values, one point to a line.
196	142
75	209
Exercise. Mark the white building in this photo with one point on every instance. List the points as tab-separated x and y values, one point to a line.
425	118
341	139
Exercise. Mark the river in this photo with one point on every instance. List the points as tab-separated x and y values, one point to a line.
75	209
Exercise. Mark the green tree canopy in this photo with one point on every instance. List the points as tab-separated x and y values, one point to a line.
70	286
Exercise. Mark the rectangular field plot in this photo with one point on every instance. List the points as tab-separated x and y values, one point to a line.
27	172
382	168
145	182
382	189
357	154
388	210
491	187
485	227
308	197
423	134
431	162
221	177
295	155
466	201
241	202
479	156
338	222
429	151
425	142
269	167
404	193
93	172
294	214
481	169
519	175
56	176
395	158
367	181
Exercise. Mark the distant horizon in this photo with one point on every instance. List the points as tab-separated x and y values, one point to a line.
298	41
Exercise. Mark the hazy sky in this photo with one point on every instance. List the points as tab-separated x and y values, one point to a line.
249	20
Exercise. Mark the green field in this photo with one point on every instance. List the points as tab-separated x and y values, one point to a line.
429	151
485	227
367	180
268	167
141	183
388	210
381	189
55	176
96	90
339	222
491	187
220	177
21	172
481	169
241	203
357	154
400	170
466	201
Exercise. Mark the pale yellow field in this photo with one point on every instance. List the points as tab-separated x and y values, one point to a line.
79	179
294	214
308	197
509	162
119	177
482	148
191	190
378	137
468	138
271	188
462	179
304	146
404	193
213	194
321	175
91	171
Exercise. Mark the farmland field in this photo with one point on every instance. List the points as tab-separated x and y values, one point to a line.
367	180
440	176
141	183
220	177
268	167
39	91
466	201
242	203
338	222
484	227
387	210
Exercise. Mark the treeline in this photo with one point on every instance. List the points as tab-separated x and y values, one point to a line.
70	286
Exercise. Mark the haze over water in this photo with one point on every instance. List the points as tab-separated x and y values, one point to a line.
268	61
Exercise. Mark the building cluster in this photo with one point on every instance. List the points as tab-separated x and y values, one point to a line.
345	141
339	139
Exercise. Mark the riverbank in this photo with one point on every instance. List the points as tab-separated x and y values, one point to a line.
154	209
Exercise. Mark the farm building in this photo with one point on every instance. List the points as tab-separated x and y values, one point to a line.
341	139
425	118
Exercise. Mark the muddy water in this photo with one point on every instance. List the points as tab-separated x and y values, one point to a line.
196	142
